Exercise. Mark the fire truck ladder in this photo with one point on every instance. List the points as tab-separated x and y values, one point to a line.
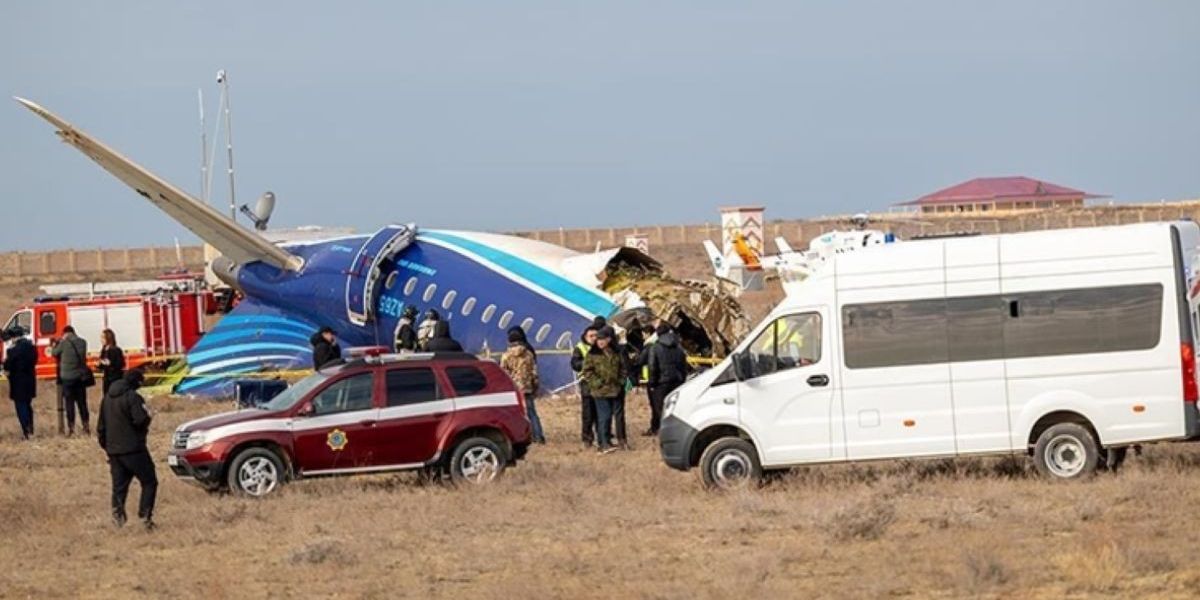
156	344
362	280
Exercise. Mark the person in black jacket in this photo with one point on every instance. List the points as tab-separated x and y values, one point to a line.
587	407
112	360
441	340
124	422
20	364
667	369
406	334
325	347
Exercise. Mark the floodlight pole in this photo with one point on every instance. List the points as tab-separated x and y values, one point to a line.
203	150
223	79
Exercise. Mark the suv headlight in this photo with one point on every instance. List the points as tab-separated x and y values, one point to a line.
197	439
669	402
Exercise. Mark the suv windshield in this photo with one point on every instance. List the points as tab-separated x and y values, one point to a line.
288	398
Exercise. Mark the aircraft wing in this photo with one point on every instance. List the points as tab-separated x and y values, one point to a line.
231	240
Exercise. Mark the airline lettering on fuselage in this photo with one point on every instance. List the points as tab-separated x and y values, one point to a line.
341	248
420	268
390	306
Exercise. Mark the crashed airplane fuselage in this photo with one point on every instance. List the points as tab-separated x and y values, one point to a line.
482	283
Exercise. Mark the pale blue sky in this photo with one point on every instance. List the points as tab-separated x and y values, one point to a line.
511	115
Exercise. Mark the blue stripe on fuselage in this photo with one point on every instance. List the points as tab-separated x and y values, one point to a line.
589	301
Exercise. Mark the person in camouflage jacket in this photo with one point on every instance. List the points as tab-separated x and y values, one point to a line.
604	373
521	365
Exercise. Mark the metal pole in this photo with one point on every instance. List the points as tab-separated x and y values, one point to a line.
223	79
203	150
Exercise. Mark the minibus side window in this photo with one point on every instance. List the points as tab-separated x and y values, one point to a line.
788	342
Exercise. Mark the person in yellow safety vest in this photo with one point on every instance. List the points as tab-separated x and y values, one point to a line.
587	408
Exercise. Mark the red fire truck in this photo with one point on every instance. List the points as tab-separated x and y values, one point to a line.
154	320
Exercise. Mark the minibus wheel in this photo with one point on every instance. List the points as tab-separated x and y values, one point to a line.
729	463
1066	451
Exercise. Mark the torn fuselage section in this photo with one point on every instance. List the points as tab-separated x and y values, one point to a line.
708	319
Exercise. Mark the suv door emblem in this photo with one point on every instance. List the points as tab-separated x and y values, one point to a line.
337	440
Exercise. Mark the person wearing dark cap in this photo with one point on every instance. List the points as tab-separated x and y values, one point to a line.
666	369
71	352
587	408
604	373
425	330
599	322
325	347
121	431
406	333
441	340
520	363
519	332
20	365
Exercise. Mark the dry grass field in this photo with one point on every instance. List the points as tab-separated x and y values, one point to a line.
569	523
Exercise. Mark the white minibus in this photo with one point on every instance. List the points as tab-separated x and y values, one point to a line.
1068	345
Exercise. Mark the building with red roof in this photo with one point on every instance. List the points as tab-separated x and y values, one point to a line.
987	194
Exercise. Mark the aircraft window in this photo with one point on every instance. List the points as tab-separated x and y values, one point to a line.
542	334
448	301
390	282
468	306
527	324
564	340
429	292
505	319
488	313
410	286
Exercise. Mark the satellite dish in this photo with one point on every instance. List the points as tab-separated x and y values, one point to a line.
262	210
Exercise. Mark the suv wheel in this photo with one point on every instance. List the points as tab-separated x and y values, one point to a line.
255	472
477	460
1066	451
729	463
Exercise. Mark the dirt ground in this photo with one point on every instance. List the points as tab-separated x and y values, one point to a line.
569	523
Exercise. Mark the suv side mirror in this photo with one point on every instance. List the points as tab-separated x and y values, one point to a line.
741	366
306	411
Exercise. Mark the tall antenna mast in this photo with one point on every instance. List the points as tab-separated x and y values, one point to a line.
203	150
223	80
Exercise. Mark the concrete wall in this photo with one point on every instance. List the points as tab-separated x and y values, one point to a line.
59	263
20	265
905	225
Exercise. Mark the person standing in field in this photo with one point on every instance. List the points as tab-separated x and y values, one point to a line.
121	431
604	373
71	352
521	365
587	408
20	365
112	360
666	368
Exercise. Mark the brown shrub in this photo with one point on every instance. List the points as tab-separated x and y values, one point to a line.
866	520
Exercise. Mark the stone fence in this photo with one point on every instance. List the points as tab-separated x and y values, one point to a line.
66	263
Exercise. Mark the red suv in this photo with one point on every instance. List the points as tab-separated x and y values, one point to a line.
445	414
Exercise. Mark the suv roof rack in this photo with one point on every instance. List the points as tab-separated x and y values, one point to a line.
401	357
